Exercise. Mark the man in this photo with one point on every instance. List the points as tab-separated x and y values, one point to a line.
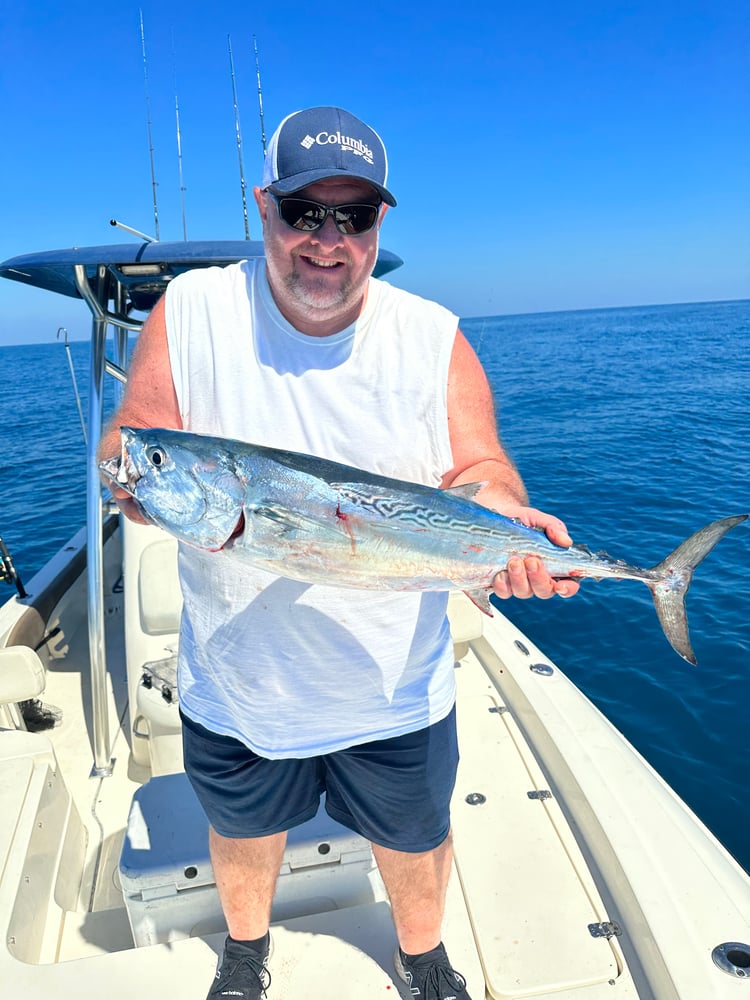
289	690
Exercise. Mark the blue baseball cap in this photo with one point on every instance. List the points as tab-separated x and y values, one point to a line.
317	143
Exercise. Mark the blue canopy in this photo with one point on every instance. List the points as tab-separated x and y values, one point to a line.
142	270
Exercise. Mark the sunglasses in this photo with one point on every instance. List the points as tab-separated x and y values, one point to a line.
308	216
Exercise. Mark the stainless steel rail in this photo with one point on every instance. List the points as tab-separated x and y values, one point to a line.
103	764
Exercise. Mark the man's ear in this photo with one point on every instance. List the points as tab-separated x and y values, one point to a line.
261	201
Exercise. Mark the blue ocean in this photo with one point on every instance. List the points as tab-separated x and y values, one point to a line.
630	424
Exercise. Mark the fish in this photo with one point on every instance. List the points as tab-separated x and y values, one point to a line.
320	521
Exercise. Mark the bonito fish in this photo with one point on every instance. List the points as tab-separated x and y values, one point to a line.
323	522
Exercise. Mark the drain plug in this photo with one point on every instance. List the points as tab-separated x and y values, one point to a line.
733	957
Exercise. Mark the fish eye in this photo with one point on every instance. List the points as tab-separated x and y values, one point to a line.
156	456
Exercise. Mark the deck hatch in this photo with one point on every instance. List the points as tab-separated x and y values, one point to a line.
528	905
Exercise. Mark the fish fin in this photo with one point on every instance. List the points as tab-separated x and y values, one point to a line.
283	518
467	491
675	574
482	600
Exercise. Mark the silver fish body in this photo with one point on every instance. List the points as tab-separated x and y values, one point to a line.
323	522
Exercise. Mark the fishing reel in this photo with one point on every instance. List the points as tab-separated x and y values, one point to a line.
8	571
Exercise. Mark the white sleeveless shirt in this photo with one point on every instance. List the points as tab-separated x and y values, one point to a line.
293	669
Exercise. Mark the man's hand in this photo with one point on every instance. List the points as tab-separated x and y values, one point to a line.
528	577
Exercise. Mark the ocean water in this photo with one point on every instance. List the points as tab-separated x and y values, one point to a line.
633	425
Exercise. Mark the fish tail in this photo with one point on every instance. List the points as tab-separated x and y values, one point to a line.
673	576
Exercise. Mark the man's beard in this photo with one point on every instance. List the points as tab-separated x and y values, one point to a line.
317	295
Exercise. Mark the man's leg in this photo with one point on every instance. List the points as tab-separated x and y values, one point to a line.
416	885
397	792
246	871
244	795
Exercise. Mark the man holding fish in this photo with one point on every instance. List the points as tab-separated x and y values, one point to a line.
289	689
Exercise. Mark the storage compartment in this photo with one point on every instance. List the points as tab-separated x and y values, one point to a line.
168	882
157	718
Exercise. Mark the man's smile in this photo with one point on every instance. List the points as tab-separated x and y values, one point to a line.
320	261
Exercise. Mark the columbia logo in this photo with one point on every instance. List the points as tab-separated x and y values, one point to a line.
307	142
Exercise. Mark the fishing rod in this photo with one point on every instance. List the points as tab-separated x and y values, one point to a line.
148	125
179	142
239	140
62	329
260	98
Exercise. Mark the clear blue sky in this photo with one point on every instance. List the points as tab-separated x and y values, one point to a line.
546	154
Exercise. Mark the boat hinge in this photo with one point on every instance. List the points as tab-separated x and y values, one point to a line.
607	929
540	794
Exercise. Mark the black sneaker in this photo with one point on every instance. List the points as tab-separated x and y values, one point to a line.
431	976
242	973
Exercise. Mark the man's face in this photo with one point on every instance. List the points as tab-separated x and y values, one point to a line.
319	278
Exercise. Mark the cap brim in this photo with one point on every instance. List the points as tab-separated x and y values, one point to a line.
290	185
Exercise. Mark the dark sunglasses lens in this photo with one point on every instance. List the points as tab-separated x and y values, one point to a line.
306	216
355	219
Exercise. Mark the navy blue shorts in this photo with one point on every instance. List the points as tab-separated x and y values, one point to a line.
395	792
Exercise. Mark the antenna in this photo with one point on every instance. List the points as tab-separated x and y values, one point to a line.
179	141
260	98
239	140
148	123
135	232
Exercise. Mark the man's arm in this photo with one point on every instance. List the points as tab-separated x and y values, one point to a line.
149	400
478	456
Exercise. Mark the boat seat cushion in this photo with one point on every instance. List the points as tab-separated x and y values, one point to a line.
160	598
22	674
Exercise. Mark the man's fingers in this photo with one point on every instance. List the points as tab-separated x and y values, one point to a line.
528	577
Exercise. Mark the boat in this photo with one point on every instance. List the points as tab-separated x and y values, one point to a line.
579	874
